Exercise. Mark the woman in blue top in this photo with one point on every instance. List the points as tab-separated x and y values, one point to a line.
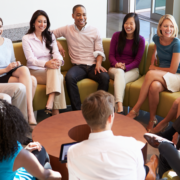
15	162
11	71
166	76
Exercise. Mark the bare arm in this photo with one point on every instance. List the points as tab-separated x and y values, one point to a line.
61	49
153	58
31	164
173	67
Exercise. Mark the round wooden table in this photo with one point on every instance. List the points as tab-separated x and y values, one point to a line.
71	126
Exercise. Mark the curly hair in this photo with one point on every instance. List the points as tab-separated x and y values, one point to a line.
13	128
46	33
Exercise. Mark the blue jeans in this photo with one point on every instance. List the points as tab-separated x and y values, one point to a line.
79	72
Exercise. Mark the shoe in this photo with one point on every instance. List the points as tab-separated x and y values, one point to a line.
152	164
48	111
134	113
155	140
155	122
122	113
164	128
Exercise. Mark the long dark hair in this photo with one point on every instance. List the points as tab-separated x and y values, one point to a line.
123	34
46	33
13	128
1	20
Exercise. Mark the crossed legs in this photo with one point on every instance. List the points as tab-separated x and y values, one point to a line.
23	76
153	84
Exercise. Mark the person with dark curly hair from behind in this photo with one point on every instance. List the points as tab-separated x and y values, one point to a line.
15	162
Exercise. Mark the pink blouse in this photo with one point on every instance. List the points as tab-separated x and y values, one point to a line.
36	52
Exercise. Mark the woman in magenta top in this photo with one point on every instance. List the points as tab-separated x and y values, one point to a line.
126	50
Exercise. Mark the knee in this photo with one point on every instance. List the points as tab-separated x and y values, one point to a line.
70	77
155	87
150	74
176	102
34	82
5	97
104	76
23	70
20	87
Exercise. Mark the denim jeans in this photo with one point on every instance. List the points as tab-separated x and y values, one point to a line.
169	158
79	72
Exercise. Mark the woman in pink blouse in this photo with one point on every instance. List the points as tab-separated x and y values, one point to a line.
44	60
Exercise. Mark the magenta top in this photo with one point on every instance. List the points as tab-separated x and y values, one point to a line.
127	55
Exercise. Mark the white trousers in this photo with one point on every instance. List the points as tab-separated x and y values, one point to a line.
121	78
54	83
15	93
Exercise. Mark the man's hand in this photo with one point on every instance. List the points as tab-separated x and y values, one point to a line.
33	146
61	49
53	64
99	69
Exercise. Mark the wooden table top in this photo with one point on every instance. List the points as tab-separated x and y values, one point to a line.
71	126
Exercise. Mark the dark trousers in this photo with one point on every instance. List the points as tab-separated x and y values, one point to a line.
43	158
169	156
79	72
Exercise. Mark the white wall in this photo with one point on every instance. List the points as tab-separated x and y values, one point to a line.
15	12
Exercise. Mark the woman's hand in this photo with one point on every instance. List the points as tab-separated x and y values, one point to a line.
152	67
120	65
53	64
12	65
33	146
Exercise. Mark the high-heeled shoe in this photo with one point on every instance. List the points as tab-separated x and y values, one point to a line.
134	113
155	122
48	111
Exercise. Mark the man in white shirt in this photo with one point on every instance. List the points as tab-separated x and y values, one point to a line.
103	155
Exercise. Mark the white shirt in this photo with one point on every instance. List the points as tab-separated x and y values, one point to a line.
105	156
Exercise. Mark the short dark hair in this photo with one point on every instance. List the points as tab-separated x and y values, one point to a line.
96	109
76	6
13	128
1	20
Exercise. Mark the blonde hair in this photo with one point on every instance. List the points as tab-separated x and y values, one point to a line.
171	18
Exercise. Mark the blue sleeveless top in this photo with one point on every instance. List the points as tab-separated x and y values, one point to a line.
6	169
165	52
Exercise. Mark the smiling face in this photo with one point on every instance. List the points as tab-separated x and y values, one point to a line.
79	17
130	26
40	24
1	28
167	28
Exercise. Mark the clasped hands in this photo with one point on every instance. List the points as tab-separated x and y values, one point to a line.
152	66
13	65
53	64
120	65
33	146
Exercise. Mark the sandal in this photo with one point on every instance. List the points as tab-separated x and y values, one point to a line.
48	111
134	113
155	122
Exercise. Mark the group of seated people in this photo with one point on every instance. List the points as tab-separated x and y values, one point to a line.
44	60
